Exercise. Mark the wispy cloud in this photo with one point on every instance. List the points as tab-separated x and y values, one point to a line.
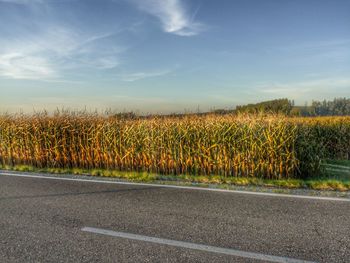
130	77
49	50
173	15
47	54
24	66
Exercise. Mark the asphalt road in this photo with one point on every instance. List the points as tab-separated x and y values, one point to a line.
43	220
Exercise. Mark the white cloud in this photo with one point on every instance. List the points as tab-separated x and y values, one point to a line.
130	77
23	66
48	53
173	16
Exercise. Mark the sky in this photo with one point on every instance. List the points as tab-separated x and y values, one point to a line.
163	56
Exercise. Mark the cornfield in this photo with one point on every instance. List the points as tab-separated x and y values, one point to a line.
270	147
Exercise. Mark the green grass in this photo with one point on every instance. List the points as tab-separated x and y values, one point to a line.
329	181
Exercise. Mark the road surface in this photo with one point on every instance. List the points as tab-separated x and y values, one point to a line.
44	220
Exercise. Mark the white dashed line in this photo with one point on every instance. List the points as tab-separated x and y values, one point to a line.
188	245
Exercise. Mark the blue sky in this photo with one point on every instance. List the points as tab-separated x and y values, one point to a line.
165	56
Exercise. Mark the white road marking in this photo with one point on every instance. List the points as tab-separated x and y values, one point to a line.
206	248
179	187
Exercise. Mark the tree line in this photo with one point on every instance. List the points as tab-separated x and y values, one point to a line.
335	107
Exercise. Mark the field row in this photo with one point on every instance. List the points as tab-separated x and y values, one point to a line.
271	147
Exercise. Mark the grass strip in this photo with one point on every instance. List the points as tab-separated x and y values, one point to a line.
322	183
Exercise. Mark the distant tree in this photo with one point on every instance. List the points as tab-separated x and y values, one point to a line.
283	106
296	111
339	106
124	115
